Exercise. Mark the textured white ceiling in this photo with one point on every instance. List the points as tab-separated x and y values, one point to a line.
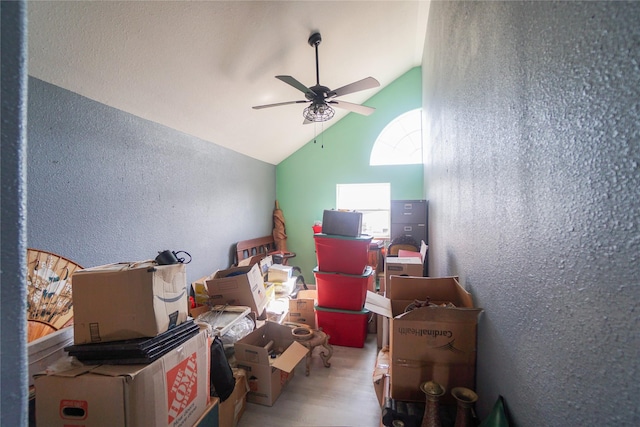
199	66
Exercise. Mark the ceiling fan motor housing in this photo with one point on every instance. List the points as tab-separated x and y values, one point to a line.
321	93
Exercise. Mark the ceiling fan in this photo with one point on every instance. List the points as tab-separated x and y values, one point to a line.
321	98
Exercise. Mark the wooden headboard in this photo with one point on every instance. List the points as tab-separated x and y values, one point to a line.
253	247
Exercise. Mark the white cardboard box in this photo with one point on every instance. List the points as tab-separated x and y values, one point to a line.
172	391
280	273
401	266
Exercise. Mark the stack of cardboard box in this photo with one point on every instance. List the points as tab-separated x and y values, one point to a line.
268	355
122	304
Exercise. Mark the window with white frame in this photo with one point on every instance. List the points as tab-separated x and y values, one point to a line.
400	142
373	200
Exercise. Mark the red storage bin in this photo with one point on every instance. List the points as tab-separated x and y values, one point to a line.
344	327
341	254
342	291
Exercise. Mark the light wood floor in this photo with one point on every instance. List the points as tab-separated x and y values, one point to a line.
341	395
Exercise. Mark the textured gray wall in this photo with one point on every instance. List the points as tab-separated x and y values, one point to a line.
532	115
105	186
13	292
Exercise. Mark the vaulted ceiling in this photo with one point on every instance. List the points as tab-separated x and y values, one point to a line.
199	66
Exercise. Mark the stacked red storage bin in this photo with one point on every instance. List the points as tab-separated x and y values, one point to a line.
341	254
342	291
342	278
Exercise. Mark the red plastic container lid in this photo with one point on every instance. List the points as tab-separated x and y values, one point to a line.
337	310
368	271
361	238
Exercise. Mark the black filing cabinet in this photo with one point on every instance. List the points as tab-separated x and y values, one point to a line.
410	218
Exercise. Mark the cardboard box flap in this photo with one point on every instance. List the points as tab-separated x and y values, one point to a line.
378	304
436	289
72	372
253	347
230	272
308	294
288	360
118	370
230	282
120	266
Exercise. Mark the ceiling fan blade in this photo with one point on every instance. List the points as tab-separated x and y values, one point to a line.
356	108
366	83
293	82
259	107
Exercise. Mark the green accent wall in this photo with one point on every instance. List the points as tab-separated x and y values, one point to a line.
306	180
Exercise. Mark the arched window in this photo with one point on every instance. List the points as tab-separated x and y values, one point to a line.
400	142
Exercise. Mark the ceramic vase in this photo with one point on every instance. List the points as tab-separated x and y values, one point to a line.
465	398
432	391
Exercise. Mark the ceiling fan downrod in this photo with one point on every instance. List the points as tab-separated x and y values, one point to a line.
314	41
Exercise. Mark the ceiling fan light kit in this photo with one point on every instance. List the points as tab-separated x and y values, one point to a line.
318	113
319	97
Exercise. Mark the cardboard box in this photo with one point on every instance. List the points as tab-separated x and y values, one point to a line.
380	372
211	415
342	223
172	391
385	397
268	376
301	309
231	410
428	343
280	273
239	286
128	300
401	266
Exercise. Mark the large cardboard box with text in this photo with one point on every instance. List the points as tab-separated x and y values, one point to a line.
267	376
172	391
428	343
128	300
239	286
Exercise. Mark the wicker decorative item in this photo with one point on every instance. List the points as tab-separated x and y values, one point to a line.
49	302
